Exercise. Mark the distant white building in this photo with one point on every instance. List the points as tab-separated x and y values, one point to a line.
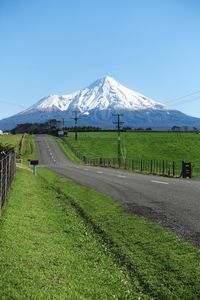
1	132
60	133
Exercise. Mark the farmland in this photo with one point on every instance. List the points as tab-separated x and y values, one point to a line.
11	140
24	145
139	145
148	152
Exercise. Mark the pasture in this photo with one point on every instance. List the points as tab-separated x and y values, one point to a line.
24	145
139	145
11	140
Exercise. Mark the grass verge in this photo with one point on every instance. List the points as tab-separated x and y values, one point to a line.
67	151
48	252
164	266
29	150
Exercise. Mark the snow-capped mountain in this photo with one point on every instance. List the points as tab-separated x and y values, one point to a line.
103	94
96	105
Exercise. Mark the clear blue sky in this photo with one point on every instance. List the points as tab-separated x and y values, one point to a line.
60	46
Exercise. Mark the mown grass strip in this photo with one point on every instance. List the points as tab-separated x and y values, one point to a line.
47	251
165	266
29	148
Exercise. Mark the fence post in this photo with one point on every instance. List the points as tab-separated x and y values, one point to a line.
163	167
6	175
1	184
173	164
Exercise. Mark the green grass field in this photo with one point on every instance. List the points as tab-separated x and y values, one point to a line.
29	149
160	264
24	145
11	140
59	240
47	252
139	145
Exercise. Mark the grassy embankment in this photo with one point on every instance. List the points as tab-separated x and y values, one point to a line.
67	151
59	240
140	145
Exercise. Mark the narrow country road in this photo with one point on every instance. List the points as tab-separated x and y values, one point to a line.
173	203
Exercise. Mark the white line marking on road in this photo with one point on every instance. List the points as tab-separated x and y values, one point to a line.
86	169
121	176
162	182
99	172
76	167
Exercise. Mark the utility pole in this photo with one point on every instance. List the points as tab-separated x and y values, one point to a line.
75	118
49	124
118	122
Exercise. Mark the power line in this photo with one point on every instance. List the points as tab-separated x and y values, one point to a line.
12	103
182	97
186	101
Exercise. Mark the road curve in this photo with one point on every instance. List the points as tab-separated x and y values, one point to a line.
173	203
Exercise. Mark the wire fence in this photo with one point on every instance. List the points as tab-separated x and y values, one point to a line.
196	170
156	167
7	172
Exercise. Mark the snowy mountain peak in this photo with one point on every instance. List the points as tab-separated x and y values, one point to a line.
103	94
97	103
109	80
107	93
104	82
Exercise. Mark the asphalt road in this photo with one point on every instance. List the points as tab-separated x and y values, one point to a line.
173	203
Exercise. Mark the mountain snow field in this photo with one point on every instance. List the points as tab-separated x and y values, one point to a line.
96	105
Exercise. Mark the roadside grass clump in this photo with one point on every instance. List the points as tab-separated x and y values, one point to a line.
48	252
164	265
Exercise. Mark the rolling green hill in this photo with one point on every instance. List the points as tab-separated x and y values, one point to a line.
139	145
